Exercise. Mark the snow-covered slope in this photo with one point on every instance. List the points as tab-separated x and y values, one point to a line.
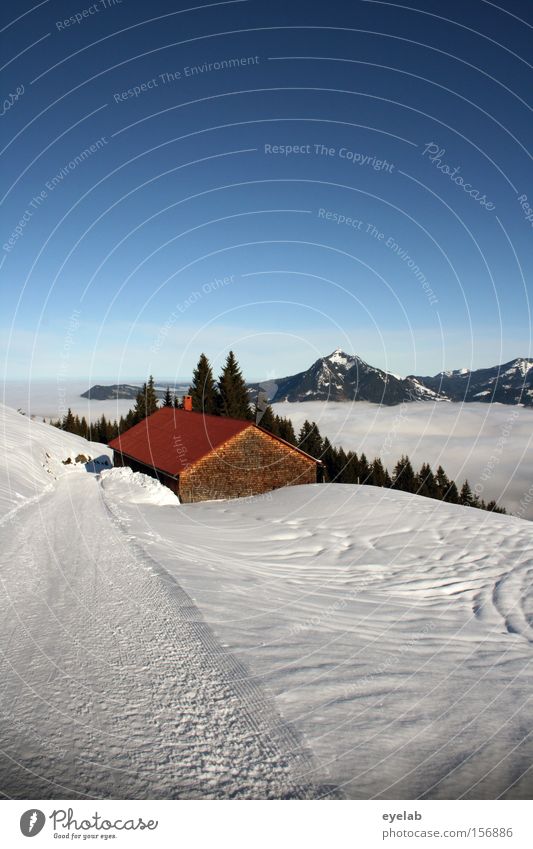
113	684
395	632
315	641
32	456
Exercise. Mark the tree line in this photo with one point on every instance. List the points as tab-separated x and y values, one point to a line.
229	396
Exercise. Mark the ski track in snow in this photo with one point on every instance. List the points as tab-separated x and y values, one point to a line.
113	684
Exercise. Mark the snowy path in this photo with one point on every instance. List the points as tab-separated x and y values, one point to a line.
112	683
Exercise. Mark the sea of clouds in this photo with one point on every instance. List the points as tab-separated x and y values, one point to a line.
490	444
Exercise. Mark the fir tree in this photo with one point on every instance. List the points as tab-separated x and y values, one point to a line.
139	410
364	472
309	439
102	430
265	418
330	458
285	429
234	401
379	475
146	401
492	507
466	497
167	400
203	388
426	482
151	397
68	421
404	477
349	466
452	493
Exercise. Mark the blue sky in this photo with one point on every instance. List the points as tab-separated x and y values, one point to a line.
297	190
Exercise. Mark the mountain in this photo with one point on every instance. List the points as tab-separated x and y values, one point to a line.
126	391
510	383
345	377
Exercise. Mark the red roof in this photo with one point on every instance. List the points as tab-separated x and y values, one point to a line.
172	440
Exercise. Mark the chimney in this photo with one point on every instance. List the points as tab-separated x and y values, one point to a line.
187	403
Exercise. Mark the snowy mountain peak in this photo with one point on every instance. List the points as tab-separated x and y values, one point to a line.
521	365
346	377
508	383
340	357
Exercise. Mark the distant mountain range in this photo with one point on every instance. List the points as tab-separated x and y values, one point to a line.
346	377
127	391
510	383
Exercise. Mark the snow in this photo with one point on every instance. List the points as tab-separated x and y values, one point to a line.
340	358
113	684
136	488
393	631
425	392
522	366
316	641
490	444
32	456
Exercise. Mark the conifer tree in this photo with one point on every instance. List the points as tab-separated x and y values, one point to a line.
466	497
146	401
167	400
309	439
349	466
426	482
264	417
151	397
364	470
234	398
379	475
203	388
452	493
285	429
492	507
68	421
139	410
102	430
330	458
442	483
404	477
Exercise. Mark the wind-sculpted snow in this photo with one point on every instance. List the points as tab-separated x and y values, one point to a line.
396	632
